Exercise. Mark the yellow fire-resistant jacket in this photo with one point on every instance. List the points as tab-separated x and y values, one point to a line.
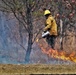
51	25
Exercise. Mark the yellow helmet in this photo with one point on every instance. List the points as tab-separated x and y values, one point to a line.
47	12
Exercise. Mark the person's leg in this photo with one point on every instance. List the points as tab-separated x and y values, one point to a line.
53	41
48	39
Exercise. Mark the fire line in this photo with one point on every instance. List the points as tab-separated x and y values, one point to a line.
58	54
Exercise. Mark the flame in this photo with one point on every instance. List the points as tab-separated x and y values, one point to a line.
37	40
58	54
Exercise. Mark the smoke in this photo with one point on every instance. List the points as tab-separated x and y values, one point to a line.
13	44
10	45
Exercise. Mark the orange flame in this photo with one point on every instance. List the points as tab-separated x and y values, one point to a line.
59	54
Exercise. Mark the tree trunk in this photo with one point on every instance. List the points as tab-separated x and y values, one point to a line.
61	32
30	35
29	48
61	24
28	52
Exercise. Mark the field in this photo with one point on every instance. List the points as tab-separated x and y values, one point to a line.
21	69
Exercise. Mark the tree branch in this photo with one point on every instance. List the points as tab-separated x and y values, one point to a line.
37	34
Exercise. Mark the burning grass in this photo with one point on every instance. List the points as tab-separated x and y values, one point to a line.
59	54
56	54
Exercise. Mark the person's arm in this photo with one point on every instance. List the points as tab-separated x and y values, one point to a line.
48	25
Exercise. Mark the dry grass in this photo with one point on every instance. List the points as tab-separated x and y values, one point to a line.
10	69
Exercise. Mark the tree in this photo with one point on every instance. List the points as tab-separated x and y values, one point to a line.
66	12
23	12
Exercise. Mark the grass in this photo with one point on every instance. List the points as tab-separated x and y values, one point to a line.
11	69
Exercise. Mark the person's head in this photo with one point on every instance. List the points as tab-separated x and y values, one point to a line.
47	13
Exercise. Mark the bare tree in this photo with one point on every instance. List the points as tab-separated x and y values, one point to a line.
23	11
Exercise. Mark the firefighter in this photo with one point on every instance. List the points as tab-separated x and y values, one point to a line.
51	26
